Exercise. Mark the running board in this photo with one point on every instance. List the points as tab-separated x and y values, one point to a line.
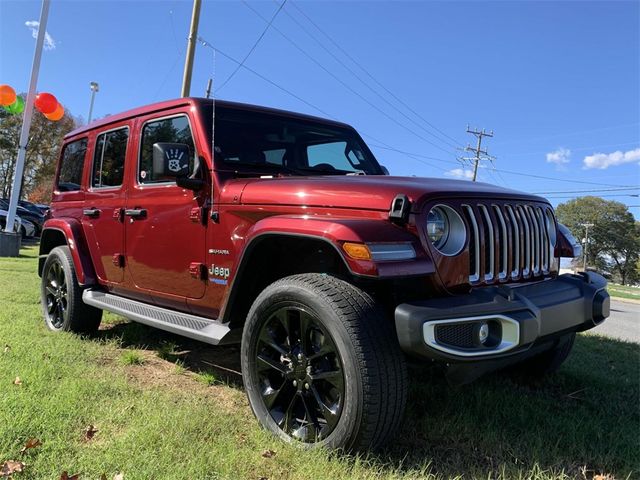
191	326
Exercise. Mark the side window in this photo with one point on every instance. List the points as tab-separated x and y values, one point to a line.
170	130
108	160
71	166
275	156
330	156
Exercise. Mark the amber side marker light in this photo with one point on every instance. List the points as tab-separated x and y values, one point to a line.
357	251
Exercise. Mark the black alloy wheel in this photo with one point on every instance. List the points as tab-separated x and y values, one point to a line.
300	374
61	296
321	364
56	296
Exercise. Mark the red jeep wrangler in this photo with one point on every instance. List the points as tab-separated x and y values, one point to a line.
294	241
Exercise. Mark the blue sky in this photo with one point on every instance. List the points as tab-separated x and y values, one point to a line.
558	82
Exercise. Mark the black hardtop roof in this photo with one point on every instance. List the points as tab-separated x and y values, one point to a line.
198	103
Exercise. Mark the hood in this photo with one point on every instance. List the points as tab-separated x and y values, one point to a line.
366	192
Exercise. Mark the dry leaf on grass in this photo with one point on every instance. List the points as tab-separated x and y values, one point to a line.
66	476
17	381
90	432
268	453
10	467
605	476
7	347
31	443
119	476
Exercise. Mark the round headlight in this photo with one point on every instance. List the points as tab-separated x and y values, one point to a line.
446	230
437	227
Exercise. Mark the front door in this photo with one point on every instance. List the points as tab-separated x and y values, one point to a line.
104	203
164	228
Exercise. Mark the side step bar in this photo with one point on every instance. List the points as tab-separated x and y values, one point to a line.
184	324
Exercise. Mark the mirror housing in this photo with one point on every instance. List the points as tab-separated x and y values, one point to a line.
171	159
385	170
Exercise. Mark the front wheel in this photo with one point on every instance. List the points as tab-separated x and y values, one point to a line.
61	296
321	365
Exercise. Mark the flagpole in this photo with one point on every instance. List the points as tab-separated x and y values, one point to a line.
26	120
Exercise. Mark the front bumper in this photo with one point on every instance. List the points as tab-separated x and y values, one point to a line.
524	320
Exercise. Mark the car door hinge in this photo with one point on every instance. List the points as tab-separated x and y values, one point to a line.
197	215
198	270
118	214
118	260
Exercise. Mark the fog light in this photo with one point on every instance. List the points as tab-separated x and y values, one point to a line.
483	333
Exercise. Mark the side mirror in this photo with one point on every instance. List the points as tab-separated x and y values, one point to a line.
171	159
385	170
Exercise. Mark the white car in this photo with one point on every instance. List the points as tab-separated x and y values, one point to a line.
25	227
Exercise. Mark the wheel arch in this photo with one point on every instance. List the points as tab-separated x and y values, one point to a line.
57	232
265	254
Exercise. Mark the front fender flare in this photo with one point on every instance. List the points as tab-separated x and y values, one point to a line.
337	231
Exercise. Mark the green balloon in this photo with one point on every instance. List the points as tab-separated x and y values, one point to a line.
16	107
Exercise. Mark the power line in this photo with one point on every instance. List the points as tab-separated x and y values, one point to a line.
259	75
569	134
415	156
590	190
347	86
361	80
603	196
241	64
345	53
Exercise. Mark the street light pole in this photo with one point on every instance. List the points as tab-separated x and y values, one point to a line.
586	242
26	119
94	88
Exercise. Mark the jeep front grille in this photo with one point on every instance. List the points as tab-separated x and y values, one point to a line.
507	242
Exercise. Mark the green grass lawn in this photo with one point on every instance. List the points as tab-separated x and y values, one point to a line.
168	408
623	291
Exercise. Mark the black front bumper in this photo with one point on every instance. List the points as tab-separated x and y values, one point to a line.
533	316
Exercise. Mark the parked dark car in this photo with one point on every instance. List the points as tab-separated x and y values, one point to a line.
33	215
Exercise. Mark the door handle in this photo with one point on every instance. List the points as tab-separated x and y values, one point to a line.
91	212
135	212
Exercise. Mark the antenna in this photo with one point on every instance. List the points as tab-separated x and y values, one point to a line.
207	93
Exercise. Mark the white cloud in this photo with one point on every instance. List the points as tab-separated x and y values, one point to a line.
606	160
560	157
49	42
460	173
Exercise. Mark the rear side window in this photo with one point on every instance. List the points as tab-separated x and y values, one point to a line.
169	130
71	166
108	159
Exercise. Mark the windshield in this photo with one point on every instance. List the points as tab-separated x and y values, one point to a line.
267	144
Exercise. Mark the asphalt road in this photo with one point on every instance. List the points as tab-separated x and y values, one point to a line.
624	322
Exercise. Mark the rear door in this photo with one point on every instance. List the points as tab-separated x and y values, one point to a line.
165	228
104	203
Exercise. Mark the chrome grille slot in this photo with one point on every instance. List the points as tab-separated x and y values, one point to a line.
515	243
489	245
507	242
503	241
474	244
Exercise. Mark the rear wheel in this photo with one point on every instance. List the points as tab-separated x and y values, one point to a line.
61	296
321	365
549	361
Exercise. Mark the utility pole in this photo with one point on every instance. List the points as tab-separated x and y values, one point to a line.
26	119
586	242
479	153
191	48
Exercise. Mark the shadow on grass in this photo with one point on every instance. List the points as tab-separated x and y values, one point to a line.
582	421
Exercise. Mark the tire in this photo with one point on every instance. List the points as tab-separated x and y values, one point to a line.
341	383
61	296
547	362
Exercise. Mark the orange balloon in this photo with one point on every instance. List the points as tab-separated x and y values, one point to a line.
57	114
7	95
